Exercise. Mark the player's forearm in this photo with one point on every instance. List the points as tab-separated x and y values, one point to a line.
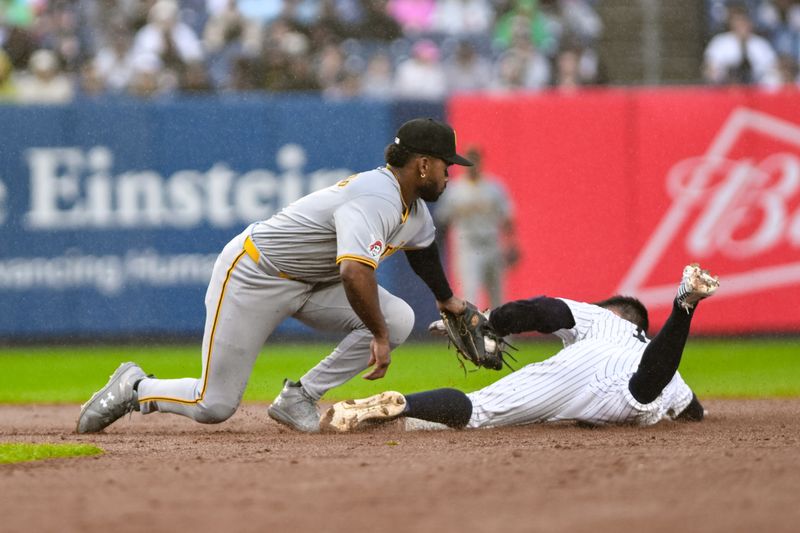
428	266
542	314
361	289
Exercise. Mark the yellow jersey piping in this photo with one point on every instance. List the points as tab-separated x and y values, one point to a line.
210	345
406	208
357	258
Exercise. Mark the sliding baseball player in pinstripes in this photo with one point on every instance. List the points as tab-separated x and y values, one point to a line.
609	372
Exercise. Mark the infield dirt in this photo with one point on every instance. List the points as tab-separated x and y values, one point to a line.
739	470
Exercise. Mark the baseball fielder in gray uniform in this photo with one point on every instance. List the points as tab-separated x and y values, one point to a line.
609	372
315	261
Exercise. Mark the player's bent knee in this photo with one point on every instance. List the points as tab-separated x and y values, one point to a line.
216	412
400	321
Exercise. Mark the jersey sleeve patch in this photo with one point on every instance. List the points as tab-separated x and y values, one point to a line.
363	226
376	248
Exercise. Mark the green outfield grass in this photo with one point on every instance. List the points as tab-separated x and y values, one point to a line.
19	452
714	368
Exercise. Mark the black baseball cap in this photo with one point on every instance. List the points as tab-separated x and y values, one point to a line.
430	137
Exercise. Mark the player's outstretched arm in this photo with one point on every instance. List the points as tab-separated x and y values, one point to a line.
541	314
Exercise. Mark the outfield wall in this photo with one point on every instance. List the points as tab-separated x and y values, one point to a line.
111	213
618	189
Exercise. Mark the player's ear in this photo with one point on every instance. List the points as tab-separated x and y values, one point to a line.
423	166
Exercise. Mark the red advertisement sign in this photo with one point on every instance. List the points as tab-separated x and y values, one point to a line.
615	191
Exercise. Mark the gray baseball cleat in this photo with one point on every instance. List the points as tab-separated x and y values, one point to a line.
696	284
350	414
111	402
295	408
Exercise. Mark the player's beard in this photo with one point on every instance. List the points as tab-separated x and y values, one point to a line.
430	192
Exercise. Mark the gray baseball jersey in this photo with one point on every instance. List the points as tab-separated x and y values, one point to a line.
305	241
586	381
287	267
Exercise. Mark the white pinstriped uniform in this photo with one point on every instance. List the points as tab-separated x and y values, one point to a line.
586	381
289	266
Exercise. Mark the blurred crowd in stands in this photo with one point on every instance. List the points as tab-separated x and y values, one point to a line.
54	51
754	42
58	50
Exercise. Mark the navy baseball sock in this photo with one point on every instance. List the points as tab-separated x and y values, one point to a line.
662	356
445	406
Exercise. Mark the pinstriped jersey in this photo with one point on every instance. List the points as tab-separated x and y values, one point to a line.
361	218
613	347
586	381
593	322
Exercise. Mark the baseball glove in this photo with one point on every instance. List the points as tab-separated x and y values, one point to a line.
474	338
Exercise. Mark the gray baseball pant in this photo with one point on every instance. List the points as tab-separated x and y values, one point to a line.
245	301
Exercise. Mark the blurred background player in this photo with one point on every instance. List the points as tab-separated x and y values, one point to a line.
609	372
479	212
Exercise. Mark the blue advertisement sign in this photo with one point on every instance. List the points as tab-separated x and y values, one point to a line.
112	214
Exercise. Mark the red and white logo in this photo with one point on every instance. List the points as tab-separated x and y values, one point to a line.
376	248
736	206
